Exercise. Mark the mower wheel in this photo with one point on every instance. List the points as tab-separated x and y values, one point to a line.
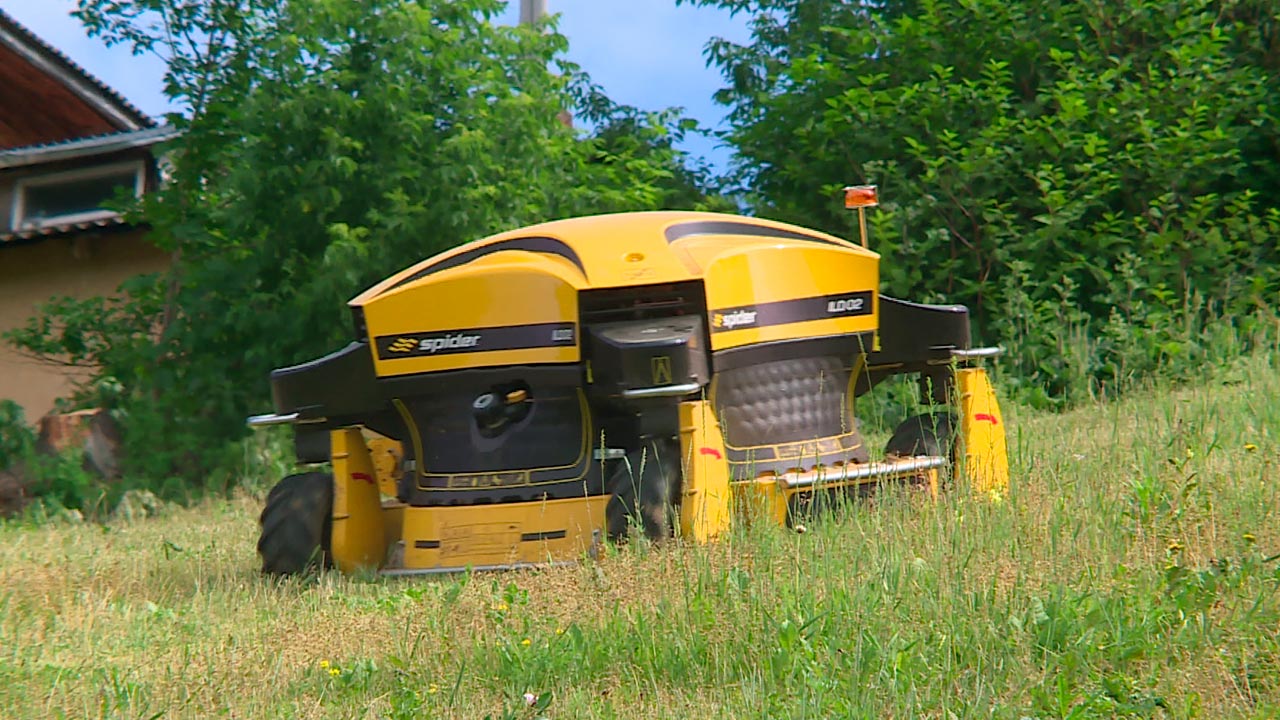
296	524
925	434
645	488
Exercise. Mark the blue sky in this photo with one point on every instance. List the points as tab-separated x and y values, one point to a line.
646	53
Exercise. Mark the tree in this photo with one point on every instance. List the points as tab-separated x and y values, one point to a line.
327	143
1047	162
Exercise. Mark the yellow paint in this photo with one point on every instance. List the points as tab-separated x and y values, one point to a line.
787	270
510	288
761	499
455	537
706	501
358	539
387	455
982	435
620	249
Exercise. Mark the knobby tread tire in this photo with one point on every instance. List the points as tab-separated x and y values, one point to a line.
923	434
295	524
645	490
926	434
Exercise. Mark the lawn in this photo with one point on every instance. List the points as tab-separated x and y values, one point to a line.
1132	569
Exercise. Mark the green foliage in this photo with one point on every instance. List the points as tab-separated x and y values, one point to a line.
17	439
59	483
327	144
1114	163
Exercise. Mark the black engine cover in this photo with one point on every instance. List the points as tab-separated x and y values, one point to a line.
640	354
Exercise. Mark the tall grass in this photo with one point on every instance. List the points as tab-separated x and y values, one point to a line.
1132	570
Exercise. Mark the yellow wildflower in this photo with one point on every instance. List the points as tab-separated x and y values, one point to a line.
526	642
334	672
1250	447
1174	546
324	664
1249	538
432	689
559	631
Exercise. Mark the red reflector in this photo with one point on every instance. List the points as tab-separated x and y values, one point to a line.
989	418
710	451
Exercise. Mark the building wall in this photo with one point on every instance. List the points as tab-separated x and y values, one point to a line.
31	273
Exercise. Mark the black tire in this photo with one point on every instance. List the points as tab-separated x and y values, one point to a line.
926	434
296	524
923	434
645	490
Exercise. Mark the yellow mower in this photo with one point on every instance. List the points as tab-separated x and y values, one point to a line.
521	399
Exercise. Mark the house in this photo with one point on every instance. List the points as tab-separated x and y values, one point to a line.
68	143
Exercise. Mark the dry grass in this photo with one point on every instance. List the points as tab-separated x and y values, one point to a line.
1130	571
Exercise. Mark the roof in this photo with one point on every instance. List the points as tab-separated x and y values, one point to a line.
90	89
85	147
46	231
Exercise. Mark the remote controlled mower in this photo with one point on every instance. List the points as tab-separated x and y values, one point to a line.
523	398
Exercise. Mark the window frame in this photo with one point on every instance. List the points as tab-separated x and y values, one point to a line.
18	219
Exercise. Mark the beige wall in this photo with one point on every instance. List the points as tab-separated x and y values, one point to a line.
35	272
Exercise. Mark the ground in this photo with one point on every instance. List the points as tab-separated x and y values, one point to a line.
1132	569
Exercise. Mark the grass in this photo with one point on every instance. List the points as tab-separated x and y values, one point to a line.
1132	570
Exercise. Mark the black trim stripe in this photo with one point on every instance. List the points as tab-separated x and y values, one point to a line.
548	535
730	227
426	544
785	312
778	350
535	244
475	340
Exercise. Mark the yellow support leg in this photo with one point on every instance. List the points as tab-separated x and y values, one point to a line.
358	539
986	454
705	505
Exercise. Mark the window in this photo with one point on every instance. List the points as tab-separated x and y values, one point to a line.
74	195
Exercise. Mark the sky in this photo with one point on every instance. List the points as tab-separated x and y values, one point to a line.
646	53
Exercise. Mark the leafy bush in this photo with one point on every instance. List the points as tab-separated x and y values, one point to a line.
1092	179
17	439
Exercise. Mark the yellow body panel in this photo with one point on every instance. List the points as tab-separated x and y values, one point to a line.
706	503
386	455
358	539
504	309
982	436
620	249
761	499
456	537
790	289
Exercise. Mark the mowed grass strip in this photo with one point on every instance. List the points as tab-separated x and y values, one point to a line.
1131	570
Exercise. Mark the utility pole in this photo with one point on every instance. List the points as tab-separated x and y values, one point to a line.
531	11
